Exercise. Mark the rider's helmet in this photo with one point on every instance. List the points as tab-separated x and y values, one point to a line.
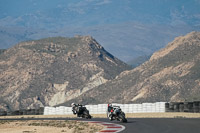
73	104
109	105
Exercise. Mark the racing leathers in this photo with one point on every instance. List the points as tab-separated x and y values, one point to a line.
110	111
76	109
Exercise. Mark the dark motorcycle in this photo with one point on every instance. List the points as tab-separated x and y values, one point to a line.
81	111
115	113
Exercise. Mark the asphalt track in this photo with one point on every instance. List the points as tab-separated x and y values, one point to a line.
145	125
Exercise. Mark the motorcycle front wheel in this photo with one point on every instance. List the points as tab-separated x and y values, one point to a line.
87	115
122	118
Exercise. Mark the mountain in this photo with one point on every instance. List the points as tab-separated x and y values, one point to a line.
171	74
113	23
51	71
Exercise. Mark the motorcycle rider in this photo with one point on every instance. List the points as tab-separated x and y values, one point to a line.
110	112
115	113
76	109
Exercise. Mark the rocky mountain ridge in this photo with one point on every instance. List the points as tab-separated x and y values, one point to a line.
51	71
171	74
59	71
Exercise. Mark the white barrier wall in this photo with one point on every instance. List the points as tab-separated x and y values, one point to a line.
102	108
62	110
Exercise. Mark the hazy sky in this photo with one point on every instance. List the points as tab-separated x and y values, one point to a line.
96	12
126	28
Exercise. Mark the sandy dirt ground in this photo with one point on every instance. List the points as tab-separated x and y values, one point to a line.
48	126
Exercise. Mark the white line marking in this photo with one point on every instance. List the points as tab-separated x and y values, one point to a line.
109	127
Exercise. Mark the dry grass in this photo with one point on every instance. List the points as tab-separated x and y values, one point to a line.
128	115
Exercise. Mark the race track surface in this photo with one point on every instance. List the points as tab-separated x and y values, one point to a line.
145	125
167	125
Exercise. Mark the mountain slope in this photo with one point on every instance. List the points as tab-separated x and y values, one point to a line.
54	70
171	74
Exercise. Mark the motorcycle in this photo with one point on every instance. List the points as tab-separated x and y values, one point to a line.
81	111
115	113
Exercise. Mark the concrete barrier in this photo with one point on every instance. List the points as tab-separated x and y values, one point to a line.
102	109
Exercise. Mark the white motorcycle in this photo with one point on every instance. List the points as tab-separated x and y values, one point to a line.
115	113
